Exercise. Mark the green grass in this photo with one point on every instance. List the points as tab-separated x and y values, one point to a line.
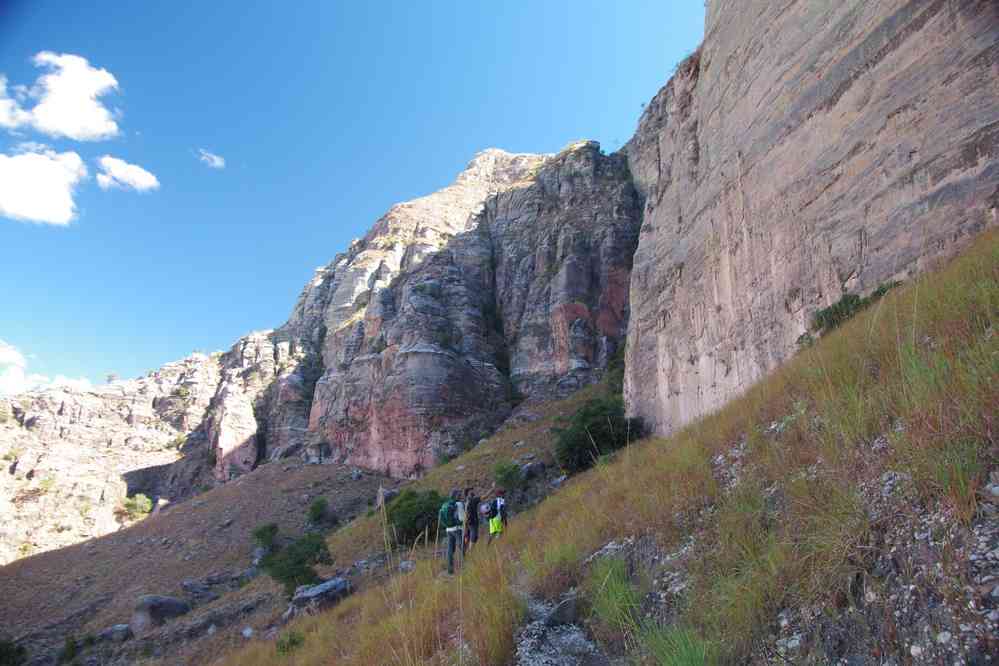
674	646
614	600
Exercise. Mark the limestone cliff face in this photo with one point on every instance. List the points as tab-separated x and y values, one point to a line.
528	299
70	456
809	150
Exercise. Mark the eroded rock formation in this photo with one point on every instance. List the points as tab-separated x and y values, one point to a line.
808	150
528	299
70	457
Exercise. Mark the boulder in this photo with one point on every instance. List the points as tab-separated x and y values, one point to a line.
532	470
385	495
565	612
312	598
199	592
118	633
153	610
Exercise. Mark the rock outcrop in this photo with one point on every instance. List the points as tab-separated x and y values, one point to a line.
153	610
806	151
528	300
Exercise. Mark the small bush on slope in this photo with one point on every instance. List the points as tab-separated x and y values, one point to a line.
598	428
266	535
293	565
136	507
926	358
508	475
317	510
414	514
12	654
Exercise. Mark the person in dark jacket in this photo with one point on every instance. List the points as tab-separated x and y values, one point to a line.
450	518
472	502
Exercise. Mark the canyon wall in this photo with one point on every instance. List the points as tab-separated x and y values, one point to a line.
808	150
71	456
528	301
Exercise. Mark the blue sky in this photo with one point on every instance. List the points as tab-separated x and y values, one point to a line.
325	114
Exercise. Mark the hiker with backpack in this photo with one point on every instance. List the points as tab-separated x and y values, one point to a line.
449	517
472	503
496	514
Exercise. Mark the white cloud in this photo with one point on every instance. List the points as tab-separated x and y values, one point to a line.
68	99
119	173
14	378
39	186
31	147
211	159
11	113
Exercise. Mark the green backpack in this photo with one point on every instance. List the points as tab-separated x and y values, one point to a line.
448	515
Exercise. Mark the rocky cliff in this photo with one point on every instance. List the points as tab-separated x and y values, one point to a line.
509	284
528	299
808	150
70	457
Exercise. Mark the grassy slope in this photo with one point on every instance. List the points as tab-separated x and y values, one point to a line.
921	366
84	588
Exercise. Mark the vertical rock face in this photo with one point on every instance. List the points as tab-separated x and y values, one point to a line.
808	150
528	298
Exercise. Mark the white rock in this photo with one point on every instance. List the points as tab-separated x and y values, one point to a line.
943	637
916	651
247	632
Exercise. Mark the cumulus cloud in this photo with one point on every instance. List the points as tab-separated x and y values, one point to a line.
211	159
119	173
38	186
15	379
68	99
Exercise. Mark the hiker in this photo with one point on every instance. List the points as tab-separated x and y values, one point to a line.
472	503
449	517
497	515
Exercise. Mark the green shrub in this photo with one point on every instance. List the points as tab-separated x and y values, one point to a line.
12	654
290	642
266	535
508	475
614	375
598	427
177	442
846	307
69	651
182	392
293	565
137	506
412	513
318	509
